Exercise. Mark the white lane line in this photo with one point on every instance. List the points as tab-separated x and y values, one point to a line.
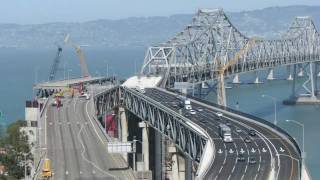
95	130
90	162
264	138
45	129
123	173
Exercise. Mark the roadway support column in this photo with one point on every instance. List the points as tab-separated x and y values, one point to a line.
175	166
145	145
124	129
158	156
188	164
294	81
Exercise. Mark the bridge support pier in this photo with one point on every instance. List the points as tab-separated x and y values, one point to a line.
236	79
310	86
270	74
300	74
290	78
158	171
189	169
145	145
256	81
124	129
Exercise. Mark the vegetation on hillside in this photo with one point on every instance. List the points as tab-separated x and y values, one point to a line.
13	149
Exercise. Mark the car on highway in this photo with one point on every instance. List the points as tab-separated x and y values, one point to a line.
238	130
247	139
252	160
241	158
85	95
200	109
193	112
252	132
187	115
228	123
219	114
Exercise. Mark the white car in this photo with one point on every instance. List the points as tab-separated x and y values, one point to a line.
192	111
219	114
85	95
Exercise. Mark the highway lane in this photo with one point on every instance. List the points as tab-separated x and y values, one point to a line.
265	146
77	147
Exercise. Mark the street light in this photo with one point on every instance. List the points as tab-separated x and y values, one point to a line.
303	152
302	125
275	106
69	70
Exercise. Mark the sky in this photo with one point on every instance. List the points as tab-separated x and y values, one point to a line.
44	11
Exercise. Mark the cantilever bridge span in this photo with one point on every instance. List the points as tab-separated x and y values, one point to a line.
211	42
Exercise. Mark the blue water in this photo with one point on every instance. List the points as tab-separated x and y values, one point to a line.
20	68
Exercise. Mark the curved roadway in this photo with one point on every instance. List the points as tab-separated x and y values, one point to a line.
275	157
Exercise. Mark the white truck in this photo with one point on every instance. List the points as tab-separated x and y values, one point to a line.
187	104
225	133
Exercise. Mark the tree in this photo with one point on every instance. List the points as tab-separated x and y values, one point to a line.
16	145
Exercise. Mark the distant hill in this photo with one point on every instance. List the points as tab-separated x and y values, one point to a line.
143	31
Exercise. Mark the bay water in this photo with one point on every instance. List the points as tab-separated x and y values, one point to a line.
21	68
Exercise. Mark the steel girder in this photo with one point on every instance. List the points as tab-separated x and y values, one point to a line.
107	100
170	123
211	41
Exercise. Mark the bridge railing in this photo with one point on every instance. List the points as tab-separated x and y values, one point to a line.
244	115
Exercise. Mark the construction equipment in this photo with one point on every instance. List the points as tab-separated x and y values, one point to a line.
80	54
221	92
55	64
46	170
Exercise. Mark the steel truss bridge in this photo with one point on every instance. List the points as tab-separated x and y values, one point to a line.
168	122
210	42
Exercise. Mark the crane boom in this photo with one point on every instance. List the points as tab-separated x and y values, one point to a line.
55	64
80	54
221	92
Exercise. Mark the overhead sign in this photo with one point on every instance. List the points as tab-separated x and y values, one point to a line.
120	147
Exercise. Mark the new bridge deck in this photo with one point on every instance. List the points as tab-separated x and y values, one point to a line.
268	148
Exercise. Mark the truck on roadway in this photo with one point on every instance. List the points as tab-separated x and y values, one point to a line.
225	133
46	170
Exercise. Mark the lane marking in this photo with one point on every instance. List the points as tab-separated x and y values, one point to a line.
90	162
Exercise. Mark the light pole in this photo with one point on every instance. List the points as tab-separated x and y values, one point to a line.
69	70
303	152
25	165
275	107
301	125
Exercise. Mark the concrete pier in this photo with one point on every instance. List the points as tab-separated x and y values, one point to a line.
236	79
270	74
124	130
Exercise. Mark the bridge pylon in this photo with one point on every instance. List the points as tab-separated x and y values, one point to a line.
308	92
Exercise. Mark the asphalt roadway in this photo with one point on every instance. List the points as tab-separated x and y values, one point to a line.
76	146
275	157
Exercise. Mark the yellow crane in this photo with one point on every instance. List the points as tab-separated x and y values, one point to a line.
80	54
221	92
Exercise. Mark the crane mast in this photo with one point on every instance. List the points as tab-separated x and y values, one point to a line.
55	65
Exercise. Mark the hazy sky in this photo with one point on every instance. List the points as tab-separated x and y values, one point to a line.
41	11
